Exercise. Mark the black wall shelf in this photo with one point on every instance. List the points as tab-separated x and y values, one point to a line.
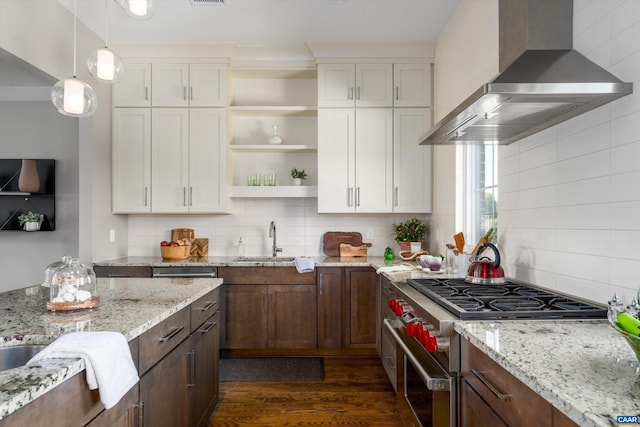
14	202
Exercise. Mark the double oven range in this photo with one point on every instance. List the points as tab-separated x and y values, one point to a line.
421	350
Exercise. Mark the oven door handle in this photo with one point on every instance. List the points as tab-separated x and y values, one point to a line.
434	384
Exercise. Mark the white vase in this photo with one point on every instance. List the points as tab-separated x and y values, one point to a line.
297	181
31	226
275	139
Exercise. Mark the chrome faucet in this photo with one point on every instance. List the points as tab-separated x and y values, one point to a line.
272	233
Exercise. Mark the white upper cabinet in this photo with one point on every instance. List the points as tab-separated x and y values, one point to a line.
189	155
131	160
412	85
134	90
411	162
184	85
207	85
355	160
207	160
170	160
170	85
355	85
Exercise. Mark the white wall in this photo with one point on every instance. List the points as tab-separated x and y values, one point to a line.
569	206
40	32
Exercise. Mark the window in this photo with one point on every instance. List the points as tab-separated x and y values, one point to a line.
477	190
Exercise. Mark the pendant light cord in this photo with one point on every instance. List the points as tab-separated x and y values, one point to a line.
75	20
106	14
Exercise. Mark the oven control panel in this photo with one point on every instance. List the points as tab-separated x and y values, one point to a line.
424	332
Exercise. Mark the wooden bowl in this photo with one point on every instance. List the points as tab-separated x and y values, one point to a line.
175	252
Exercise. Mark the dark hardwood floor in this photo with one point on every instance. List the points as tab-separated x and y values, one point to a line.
355	392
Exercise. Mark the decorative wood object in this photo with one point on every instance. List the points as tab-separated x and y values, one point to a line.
200	247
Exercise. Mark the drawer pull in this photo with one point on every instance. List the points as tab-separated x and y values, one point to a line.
209	327
208	306
175	331
489	385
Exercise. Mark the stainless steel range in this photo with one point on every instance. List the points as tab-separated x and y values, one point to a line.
428	349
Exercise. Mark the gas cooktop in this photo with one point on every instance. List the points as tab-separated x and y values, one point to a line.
509	300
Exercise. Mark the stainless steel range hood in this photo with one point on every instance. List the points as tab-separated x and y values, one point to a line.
542	80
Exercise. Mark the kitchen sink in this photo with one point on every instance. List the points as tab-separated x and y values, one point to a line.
264	259
17	355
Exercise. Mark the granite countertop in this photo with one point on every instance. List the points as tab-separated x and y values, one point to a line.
583	368
130	306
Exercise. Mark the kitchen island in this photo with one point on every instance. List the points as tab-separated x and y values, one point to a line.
129	306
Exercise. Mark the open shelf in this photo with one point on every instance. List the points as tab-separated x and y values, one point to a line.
274	110
273	148
275	191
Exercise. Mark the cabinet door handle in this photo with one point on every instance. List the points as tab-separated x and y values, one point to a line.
397	93
139	420
184	196
184	93
270	303
190	196
264	300
191	93
208	306
146	93
175	331
358	93
357	196
191	368
321	290
209	327
395	196
350	196
146	196
351	92
500	395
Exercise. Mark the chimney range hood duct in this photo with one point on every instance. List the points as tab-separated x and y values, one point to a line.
542	80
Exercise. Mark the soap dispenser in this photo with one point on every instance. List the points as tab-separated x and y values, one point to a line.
240	249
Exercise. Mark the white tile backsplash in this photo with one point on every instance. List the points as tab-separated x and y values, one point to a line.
299	228
578	231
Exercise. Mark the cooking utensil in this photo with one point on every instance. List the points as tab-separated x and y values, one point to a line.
487	238
485	271
459	239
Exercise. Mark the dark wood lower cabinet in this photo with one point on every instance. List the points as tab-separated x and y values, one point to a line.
204	391
361	305
330	308
490	396
268	308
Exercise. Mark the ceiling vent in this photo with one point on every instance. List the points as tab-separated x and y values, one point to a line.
208	2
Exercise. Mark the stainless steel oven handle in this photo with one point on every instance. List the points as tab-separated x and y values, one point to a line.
435	384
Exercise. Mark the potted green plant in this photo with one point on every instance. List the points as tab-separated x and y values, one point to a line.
31	221
410	231
298	176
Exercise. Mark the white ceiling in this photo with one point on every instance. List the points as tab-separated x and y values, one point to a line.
273	22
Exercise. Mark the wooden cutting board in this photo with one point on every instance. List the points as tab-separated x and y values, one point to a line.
332	240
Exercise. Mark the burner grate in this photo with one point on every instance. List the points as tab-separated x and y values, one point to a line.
469	301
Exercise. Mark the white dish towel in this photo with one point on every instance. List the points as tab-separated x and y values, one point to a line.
304	265
107	359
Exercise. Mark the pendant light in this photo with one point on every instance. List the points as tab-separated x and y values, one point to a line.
138	9
71	96
104	64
